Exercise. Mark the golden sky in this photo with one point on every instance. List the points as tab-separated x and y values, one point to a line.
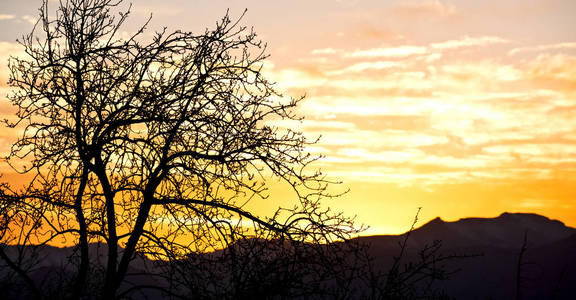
465	108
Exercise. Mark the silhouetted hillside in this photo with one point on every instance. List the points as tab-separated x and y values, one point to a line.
485	250
548	266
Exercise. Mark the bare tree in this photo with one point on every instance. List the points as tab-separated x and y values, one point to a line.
151	146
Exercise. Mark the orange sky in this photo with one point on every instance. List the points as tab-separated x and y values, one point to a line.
465	108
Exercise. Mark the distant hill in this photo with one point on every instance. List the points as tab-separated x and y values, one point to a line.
490	247
548	267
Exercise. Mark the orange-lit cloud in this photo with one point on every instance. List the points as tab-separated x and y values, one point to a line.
7	17
539	48
468	42
465	108
392	52
450	112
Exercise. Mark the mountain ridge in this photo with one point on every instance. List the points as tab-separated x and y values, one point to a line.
488	252
506	230
548	259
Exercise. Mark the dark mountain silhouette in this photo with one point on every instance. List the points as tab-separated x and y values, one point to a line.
548	268
491	247
505	231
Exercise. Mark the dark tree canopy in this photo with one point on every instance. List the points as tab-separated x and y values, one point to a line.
150	144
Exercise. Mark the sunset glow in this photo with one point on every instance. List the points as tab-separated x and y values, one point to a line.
464	108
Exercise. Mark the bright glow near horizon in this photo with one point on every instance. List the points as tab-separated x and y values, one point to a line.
465	108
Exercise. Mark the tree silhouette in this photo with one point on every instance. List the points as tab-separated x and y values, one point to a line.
148	146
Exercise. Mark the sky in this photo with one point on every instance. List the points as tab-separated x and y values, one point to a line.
465	108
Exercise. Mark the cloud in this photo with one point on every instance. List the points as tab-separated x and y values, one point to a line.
377	33
300	78
6	50
473	117
30	19
327	125
379	139
390	52
545	152
324	51
554	67
433	50
487	71
559	46
454	146
7	17
532	203
364	66
384	122
468	42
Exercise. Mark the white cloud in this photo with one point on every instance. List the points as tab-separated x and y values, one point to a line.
30	19
406	51
324	51
391	52
6	17
543	48
363	66
468	42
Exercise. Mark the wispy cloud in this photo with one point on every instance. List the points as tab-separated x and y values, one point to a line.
433	50
390	52
364	66
7	17
559	46
419	93
324	51
434	113
6	50
554	67
29	19
469	42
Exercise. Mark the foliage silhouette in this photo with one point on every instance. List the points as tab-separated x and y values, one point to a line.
148	147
